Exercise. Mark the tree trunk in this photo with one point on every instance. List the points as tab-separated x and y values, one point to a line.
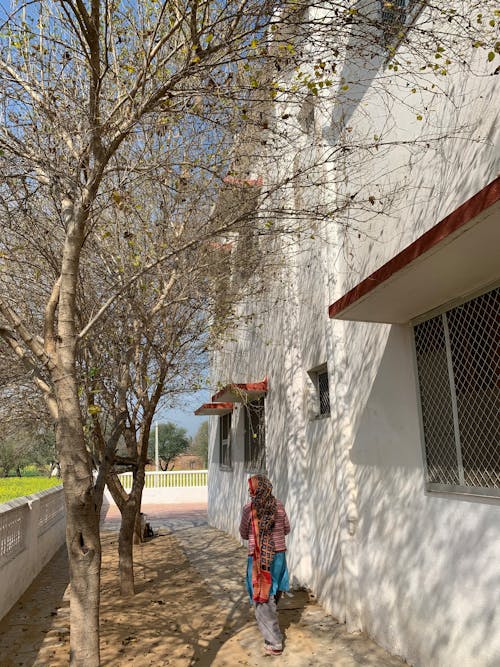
126	548
82	537
82	516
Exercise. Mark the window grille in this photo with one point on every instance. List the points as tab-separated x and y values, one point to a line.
319	395
255	436
396	16
395	12
225	440
324	393
457	356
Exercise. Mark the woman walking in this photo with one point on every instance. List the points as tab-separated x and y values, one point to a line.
264	524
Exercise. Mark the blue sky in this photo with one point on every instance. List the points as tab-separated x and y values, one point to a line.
182	415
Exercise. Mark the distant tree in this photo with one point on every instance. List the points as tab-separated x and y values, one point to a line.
172	441
43	448
24	446
200	443
13	454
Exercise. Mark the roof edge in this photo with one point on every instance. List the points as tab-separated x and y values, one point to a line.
471	208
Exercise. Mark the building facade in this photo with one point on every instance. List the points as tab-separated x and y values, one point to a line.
365	383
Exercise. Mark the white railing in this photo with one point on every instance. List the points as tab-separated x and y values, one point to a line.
12	532
51	510
164	479
32	529
172	486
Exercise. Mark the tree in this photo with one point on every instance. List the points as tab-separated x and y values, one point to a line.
25	445
81	84
200	443
117	135
14	453
172	441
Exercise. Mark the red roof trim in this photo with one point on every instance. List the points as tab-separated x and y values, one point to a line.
245	387
214	406
482	200
234	180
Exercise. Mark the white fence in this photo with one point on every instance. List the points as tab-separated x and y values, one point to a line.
172	486
32	529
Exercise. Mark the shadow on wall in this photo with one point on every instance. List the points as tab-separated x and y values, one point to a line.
429	567
420	170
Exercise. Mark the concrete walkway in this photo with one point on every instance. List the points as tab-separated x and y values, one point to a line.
228	635
312	637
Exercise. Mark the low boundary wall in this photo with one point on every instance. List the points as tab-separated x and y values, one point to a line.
32	529
172	486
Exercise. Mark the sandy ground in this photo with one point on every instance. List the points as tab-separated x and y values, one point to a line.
190	609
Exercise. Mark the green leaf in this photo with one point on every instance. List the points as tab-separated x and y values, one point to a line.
491	56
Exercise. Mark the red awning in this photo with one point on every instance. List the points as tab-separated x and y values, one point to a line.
241	393
457	257
214	409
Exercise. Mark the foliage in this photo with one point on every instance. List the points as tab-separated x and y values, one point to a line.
172	441
15	487
128	212
200	443
25	447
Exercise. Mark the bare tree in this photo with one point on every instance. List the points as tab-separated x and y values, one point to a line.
80	84
117	132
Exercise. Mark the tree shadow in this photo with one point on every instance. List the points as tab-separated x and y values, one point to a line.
41	614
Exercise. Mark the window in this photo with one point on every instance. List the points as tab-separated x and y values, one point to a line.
323	393
457	357
394	12
255	436
225	440
396	16
320	398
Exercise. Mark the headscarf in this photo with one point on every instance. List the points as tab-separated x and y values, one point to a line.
263	516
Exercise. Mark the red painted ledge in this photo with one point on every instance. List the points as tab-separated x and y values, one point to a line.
482	200
214	409
242	389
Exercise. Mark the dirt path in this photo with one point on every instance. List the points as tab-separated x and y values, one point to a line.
190	610
170	621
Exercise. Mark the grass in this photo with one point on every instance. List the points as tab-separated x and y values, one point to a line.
16	487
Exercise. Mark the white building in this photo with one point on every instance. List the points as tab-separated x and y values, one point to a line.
366	387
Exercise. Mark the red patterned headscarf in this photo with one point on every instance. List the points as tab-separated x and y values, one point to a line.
263	517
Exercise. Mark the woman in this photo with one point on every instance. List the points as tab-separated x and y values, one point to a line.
264	524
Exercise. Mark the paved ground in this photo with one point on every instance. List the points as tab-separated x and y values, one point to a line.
190	609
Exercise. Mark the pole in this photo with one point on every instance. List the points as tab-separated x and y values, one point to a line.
157	458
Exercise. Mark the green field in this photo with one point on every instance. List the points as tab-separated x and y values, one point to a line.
15	487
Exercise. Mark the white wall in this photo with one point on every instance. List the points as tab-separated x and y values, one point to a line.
169	495
420	572
42	530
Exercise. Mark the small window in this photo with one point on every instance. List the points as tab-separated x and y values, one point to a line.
225	440
323	393
394	12
396	17
320	399
255	436
459	383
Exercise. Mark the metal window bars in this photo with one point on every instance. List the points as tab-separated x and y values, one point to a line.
457	356
255	436
395	18
225	441
395	11
323	393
